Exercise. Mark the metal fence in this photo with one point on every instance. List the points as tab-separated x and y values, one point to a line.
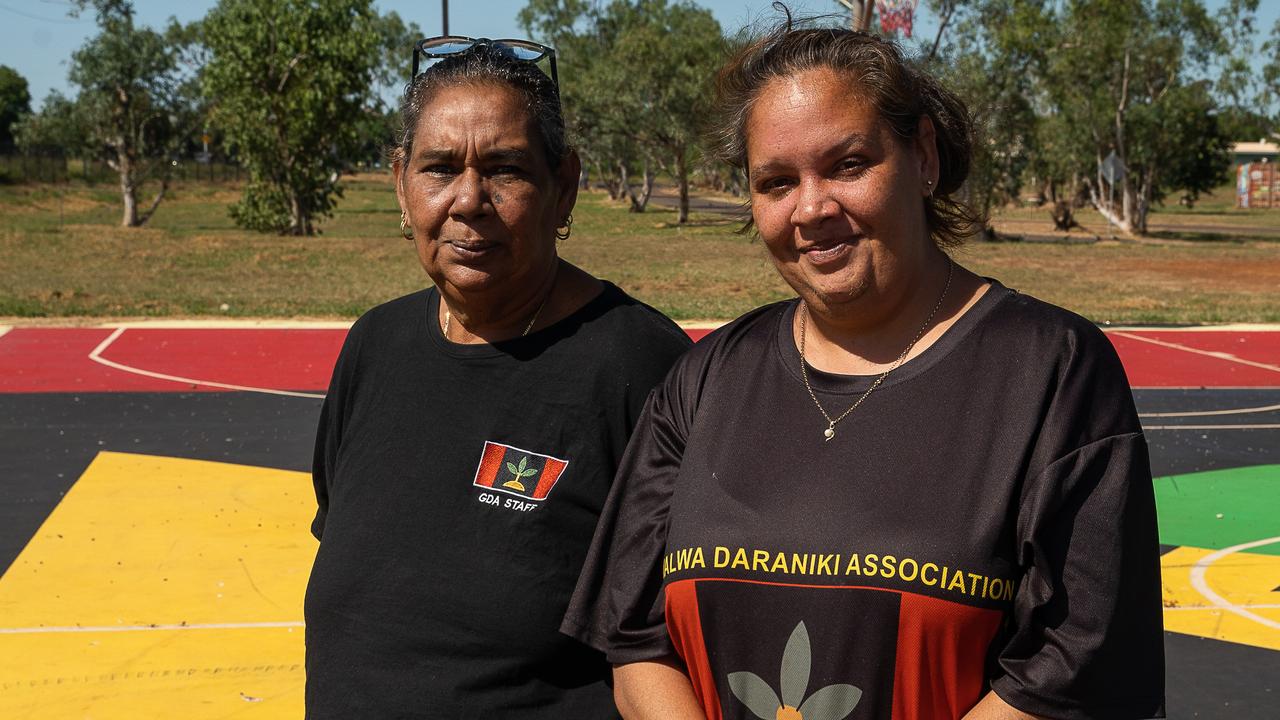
61	169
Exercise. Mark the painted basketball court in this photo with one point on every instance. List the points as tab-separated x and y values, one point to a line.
155	502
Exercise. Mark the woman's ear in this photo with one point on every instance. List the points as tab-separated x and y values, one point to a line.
567	183
926	147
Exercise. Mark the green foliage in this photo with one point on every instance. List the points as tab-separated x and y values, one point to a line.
639	87
15	103
1269	96
290	81
1058	85
131	108
59	128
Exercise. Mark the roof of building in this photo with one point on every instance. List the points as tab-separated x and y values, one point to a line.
1261	147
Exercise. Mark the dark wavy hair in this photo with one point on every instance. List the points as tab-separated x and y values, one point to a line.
479	66
878	73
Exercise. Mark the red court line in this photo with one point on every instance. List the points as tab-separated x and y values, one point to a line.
57	359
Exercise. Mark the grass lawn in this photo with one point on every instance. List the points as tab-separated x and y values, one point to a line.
63	255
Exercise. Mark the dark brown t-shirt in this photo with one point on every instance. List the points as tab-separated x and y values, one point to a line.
985	519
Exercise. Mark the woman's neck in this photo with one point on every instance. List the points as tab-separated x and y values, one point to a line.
857	341
474	320
489	317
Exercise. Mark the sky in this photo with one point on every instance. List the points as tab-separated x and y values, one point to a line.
37	37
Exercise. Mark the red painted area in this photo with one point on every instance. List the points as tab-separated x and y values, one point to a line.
1259	347
57	359
280	359
1151	365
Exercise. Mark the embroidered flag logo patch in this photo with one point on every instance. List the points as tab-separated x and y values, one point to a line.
522	473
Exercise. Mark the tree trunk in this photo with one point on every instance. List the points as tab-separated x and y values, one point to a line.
128	187
298	219
682	178
624	181
640	202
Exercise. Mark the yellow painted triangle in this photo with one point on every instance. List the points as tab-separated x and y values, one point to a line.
161	588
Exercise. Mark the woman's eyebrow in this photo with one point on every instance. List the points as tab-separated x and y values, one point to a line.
853	141
509	155
431	156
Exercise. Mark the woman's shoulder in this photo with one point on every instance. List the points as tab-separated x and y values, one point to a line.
1040	327
398	318
613	310
739	342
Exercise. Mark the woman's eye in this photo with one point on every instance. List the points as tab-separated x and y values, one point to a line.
850	166
774	184
506	170
438	170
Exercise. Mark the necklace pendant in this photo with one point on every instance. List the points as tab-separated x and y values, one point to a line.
829	433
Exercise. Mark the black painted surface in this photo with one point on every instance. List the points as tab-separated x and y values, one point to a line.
46	441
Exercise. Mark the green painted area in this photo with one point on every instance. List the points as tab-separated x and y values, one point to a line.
1220	508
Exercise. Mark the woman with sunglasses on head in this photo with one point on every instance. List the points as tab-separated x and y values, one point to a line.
471	430
911	492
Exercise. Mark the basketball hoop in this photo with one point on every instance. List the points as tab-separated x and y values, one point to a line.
896	16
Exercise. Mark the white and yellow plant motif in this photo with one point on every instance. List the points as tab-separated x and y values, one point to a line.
833	702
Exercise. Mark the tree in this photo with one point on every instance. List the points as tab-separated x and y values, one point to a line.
290	80
1122	76
129	102
15	103
642	88
1270	93
59	128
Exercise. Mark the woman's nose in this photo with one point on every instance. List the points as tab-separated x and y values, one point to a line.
470	198
814	204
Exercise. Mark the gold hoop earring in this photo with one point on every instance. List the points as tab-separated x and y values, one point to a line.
568	228
405	230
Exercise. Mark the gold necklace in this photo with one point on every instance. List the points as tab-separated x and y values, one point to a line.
527	328
830	432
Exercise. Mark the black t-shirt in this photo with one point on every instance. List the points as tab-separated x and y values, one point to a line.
458	488
985	519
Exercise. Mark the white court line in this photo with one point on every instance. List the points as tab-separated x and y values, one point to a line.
96	356
232	324
1202	586
144	628
1228	327
1259	606
1219	355
1207	413
4	330
1266	426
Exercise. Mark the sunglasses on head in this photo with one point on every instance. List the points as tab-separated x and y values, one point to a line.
437	48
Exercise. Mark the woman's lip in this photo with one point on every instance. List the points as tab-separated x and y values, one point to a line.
473	251
825	253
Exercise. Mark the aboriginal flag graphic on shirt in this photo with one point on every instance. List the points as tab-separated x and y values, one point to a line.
523	473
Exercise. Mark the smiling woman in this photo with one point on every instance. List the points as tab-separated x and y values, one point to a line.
910	492
471	430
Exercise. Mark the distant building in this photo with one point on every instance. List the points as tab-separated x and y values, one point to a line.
1252	152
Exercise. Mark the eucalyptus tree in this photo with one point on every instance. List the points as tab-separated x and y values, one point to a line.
132	102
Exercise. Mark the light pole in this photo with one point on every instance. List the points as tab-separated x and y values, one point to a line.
444	13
